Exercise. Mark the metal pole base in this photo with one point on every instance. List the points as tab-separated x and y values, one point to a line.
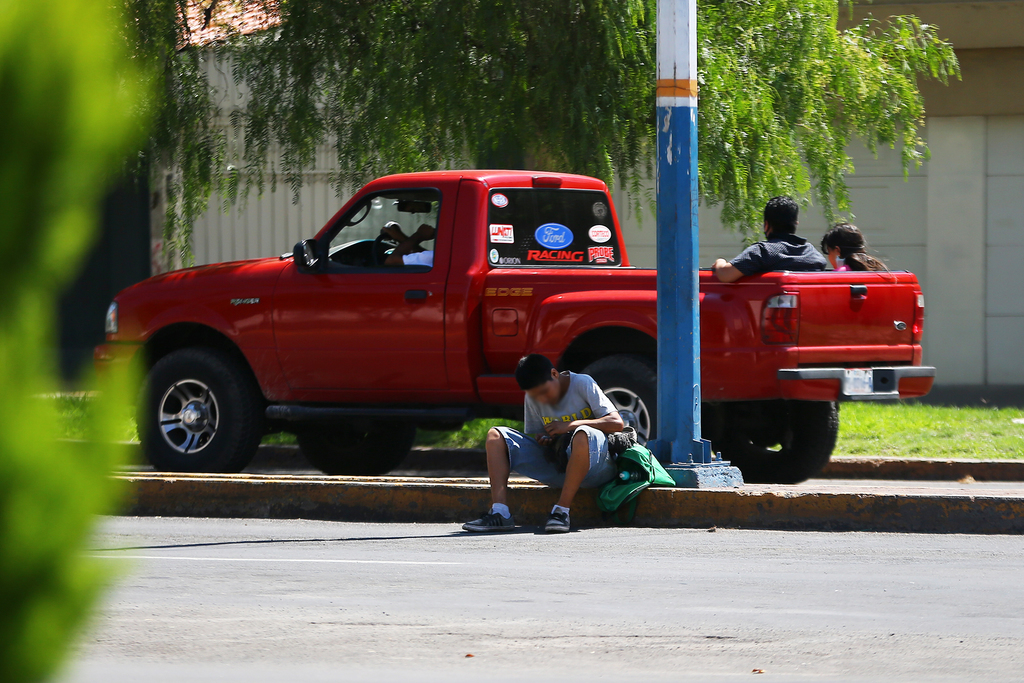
695	465
709	475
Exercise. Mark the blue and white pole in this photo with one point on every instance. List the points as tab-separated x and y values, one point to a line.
679	399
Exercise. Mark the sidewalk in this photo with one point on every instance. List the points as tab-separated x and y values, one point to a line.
832	507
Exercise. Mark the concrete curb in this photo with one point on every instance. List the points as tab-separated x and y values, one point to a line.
365	499
924	469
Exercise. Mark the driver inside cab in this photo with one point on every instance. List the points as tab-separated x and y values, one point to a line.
409	252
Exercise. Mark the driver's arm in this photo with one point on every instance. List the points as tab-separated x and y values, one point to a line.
423	234
394	231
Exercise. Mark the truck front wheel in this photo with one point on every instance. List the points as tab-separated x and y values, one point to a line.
631	383
199	411
366	450
777	442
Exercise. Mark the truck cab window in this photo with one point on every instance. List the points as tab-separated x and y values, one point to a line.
390	229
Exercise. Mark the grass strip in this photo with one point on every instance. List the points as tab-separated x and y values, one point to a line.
901	430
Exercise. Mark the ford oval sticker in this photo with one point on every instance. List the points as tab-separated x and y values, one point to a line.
553	236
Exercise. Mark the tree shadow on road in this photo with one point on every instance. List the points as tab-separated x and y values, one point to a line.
285	541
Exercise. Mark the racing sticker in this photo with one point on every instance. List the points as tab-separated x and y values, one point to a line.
493	255
509	261
601	254
504	234
599	234
554	256
600	210
553	236
499	200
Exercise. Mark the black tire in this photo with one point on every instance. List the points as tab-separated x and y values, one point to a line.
233	413
631	382
790	441
346	449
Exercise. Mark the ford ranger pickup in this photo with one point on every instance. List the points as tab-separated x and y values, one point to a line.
352	354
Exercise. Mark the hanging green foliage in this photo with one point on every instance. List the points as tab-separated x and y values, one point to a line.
403	85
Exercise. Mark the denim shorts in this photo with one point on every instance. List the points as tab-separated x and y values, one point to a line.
526	457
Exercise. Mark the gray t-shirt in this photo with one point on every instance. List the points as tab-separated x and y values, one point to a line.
584	400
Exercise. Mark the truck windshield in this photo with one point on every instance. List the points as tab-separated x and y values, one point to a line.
410	209
539	227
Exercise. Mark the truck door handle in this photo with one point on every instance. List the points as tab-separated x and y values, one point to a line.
416	294
859	291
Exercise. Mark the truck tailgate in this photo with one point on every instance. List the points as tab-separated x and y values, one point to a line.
866	319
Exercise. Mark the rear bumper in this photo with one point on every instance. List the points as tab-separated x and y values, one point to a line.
827	384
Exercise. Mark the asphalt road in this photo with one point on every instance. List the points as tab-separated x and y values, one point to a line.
259	601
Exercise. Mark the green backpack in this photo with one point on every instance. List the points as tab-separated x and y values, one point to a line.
637	469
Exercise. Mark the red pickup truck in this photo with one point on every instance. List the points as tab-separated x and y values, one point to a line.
352	355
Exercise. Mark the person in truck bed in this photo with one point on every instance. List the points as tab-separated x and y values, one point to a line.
555	404
847	250
782	248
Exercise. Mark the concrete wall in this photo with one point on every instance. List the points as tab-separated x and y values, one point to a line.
265	225
1004	250
955	294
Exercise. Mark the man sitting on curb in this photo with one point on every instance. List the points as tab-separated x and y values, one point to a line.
555	404
782	248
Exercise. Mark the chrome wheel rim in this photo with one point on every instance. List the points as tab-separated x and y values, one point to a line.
628	401
188	416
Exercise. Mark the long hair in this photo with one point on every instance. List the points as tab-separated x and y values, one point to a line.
852	247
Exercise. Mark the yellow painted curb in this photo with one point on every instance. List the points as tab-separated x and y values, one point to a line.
391	499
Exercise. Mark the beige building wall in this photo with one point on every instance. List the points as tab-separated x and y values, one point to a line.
1004	250
955	265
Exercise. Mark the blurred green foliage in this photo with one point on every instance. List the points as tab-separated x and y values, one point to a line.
69	112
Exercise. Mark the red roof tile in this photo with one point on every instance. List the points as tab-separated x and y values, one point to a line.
211	21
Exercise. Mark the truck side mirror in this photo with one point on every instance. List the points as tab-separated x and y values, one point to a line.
305	256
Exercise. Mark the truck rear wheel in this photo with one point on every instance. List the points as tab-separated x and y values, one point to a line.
778	442
357	450
631	382
199	412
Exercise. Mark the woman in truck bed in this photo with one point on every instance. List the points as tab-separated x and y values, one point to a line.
847	250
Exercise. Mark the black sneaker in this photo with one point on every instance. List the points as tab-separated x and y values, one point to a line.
558	523
491	521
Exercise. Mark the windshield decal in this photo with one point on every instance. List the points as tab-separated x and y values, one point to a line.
502	233
599	234
553	236
601	254
552	256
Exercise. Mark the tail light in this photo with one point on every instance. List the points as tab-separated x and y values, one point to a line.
780	319
918	328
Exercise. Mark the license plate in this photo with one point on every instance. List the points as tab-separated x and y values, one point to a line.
859	382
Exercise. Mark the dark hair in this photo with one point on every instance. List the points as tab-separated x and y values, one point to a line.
781	213
852	247
533	370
